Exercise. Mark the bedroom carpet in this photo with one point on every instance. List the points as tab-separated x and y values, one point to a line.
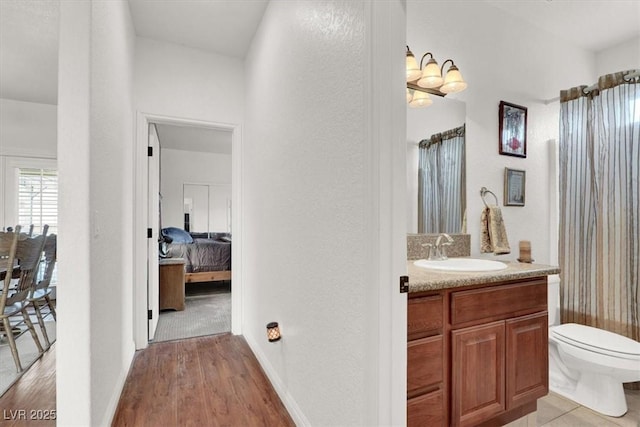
207	312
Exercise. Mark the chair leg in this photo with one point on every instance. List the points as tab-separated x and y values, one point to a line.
12	342
43	329
51	307
32	330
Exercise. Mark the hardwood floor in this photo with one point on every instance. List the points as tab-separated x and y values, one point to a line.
206	381
31	401
203	381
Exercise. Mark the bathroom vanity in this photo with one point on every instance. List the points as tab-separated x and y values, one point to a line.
477	345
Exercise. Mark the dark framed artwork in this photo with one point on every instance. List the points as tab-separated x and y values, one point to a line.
513	129
514	187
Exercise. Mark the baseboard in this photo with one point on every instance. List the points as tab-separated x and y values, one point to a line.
110	411
289	402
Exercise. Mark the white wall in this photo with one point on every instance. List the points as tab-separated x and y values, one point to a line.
503	59
27	129
177	81
179	167
95	118
443	114
310	203
622	57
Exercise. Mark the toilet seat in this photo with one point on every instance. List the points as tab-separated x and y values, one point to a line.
597	341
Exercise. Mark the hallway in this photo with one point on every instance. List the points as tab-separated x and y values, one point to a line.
213	380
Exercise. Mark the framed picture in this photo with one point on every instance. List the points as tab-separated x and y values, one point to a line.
514	187
513	130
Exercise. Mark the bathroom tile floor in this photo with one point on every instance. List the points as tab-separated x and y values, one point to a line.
556	411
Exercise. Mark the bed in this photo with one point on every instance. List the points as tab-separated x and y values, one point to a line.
207	256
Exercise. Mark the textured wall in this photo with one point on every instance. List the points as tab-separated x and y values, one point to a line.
95	342
305	203
178	81
625	56
28	129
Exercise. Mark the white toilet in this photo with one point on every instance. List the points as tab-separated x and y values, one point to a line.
589	365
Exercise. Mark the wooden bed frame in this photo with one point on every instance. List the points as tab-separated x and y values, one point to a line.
207	276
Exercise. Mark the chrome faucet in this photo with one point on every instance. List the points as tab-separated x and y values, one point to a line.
430	251
440	248
438	252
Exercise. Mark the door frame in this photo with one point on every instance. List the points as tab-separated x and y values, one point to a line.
139	291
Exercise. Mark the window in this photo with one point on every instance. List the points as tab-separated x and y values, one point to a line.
38	199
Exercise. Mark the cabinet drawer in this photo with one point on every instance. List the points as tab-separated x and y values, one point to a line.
426	410
424	363
499	302
424	316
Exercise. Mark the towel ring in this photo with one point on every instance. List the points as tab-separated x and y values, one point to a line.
483	192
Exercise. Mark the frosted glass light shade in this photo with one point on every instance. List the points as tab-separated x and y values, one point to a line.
431	77
413	70
409	96
453	81
420	99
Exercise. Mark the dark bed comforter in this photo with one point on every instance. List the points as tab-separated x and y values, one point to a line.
204	254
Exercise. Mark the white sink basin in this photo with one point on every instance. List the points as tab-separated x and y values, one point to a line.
461	264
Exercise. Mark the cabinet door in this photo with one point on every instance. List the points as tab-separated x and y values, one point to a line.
477	375
426	410
527	359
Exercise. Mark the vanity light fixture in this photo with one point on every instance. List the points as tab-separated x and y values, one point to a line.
420	99
428	80
273	332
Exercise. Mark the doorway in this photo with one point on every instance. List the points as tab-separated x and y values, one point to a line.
147	307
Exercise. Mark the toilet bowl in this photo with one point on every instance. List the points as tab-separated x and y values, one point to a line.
589	365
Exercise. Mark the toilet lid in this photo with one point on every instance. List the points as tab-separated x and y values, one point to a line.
597	340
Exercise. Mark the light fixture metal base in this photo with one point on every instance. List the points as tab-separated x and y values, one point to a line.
414	86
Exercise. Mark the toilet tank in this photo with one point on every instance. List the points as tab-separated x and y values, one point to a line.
553	299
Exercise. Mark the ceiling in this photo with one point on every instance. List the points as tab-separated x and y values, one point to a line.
221	26
194	139
29	31
592	25
29	50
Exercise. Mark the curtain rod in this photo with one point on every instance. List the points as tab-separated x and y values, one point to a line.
627	78
588	89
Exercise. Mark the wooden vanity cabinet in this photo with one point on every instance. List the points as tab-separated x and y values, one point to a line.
492	346
426	367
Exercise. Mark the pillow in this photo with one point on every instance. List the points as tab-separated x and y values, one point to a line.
177	235
225	238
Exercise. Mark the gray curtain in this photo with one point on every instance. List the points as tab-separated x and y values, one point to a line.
599	242
441	182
